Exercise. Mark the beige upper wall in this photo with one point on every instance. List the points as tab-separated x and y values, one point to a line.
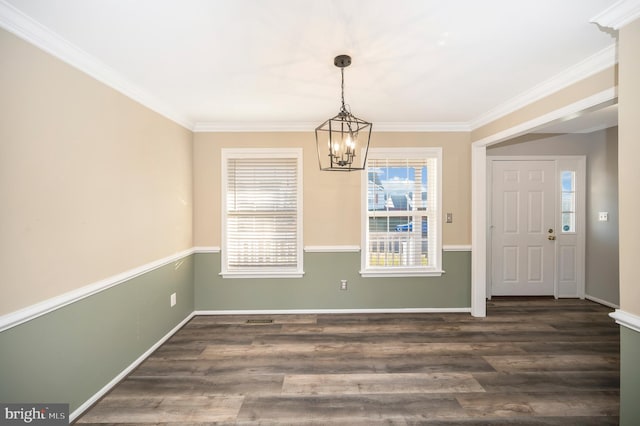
332	200
92	183
628	170
582	89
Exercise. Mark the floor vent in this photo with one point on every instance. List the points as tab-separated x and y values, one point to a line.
259	321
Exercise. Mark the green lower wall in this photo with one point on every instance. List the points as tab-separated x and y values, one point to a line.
320	286
629	377
68	355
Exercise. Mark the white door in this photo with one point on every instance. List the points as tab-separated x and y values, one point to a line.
523	228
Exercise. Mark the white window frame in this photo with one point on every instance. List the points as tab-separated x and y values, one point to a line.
254	153
435	217
562	211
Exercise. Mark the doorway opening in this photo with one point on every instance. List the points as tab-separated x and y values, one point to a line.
536	226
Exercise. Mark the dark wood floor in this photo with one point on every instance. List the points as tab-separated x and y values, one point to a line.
532	361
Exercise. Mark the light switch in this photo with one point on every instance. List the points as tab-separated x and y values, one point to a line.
603	216
449	217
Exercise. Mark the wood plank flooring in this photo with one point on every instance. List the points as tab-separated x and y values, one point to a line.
531	361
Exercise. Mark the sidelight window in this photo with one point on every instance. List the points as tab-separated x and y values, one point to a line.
568	191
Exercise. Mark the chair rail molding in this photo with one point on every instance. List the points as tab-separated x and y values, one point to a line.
626	319
28	313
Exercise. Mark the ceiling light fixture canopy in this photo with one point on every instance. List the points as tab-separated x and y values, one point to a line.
343	141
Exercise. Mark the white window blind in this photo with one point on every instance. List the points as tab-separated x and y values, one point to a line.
402	212
261	213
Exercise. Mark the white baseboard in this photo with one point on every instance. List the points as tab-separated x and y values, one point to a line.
106	388
332	311
601	301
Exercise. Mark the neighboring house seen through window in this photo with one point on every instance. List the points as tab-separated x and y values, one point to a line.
262	213
402	211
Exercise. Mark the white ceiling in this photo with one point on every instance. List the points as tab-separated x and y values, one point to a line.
216	64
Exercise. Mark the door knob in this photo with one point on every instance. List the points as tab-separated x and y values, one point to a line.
551	237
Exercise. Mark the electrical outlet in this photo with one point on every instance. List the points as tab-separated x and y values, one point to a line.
343	284
172	300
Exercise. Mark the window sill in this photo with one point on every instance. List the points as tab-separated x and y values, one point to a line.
400	273
262	274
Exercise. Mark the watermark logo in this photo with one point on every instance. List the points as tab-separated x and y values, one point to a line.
34	414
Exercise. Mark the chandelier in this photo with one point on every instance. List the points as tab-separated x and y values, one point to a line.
343	141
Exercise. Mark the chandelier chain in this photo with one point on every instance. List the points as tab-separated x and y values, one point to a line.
344	109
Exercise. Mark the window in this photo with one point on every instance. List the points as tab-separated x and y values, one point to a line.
262	213
402	211
568	183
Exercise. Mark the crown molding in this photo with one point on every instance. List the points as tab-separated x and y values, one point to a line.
422	127
202	127
206	126
25	27
601	60
618	14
